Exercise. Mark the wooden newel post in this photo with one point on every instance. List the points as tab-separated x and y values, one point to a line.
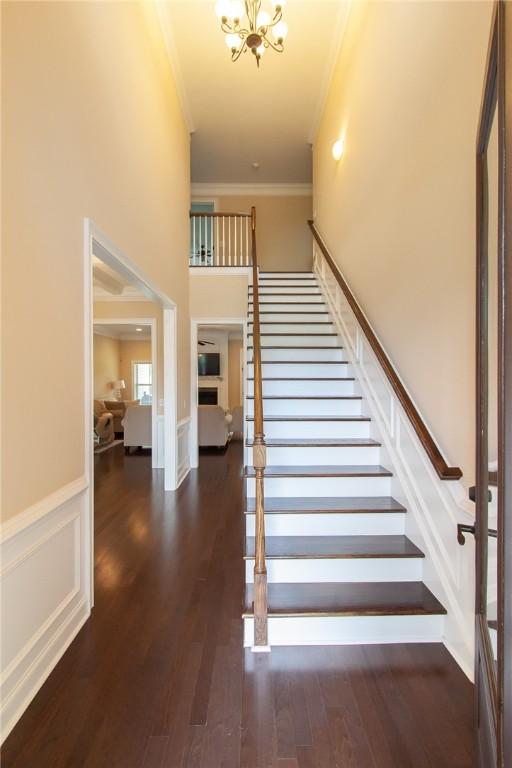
259	464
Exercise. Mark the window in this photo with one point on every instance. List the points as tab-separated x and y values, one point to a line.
143	382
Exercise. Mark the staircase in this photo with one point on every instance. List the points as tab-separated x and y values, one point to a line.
340	569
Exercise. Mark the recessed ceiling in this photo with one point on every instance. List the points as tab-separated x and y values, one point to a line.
240	114
123	331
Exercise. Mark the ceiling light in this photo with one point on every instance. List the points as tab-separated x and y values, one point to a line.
338	148
139	330
247	29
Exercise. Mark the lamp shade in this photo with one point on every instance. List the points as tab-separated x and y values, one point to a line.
119	384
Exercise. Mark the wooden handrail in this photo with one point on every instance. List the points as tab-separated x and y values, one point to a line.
259	463
444	471
218	214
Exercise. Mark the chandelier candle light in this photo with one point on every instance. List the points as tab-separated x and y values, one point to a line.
247	27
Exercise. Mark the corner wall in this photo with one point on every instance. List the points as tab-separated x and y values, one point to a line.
397	211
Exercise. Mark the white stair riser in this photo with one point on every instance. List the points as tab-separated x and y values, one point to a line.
292	456
271	299
304	407
298	306
291	317
301	328
305	340
351	569
298	371
298	354
283	290
313	429
334	387
332	524
303	283
323	486
349	630
278	275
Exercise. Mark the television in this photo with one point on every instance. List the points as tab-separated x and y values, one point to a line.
208	363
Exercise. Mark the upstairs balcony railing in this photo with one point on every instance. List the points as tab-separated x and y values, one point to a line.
220	240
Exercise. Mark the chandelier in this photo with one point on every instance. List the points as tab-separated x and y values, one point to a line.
247	27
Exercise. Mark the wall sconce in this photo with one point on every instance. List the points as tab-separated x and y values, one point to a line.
338	148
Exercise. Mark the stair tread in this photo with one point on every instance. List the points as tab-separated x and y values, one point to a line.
314	417
304	378
335	547
323	470
303	362
348	599
297	347
317	442
331	504
299	335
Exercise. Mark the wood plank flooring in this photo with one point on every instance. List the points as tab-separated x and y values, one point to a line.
158	677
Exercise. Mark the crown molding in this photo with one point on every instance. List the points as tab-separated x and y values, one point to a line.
164	19
251	190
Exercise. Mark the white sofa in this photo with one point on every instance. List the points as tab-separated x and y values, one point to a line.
137	426
213	425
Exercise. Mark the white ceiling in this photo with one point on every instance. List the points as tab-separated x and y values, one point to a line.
240	114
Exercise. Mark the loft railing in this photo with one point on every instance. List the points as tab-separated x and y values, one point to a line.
444	471
220	240
259	461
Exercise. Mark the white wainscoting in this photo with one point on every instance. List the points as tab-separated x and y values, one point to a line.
183	443
159	448
434	506
45	583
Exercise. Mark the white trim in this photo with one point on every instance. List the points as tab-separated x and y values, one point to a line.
170	399
45	588
219	271
152	322
331	61
183	444
36	511
200	189
166	26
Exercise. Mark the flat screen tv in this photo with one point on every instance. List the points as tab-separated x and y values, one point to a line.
208	363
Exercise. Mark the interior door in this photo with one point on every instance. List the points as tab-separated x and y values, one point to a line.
493	497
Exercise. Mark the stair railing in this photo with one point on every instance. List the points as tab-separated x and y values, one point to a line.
220	240
259	461
324	259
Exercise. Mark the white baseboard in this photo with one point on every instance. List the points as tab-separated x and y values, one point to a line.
45	589
182	441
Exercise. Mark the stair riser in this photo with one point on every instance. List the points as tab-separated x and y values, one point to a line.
297	371
335	387
305	340
323	486
349	630
277	275
334	524
313	429
345	570
280	290
271	300
295	317
302	328
307	456
276	282
308	407
298	354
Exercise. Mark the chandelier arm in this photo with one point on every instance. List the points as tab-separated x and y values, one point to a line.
279	47
236	55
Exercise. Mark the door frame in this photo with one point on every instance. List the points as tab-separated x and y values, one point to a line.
194	325
95	242
493	694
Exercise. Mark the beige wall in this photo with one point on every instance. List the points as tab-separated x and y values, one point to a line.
234	394
217	296
283	236
397	211
91	126
106	365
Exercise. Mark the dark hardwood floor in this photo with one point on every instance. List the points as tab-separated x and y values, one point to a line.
158	676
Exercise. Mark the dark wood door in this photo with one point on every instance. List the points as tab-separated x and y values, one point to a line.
493	529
